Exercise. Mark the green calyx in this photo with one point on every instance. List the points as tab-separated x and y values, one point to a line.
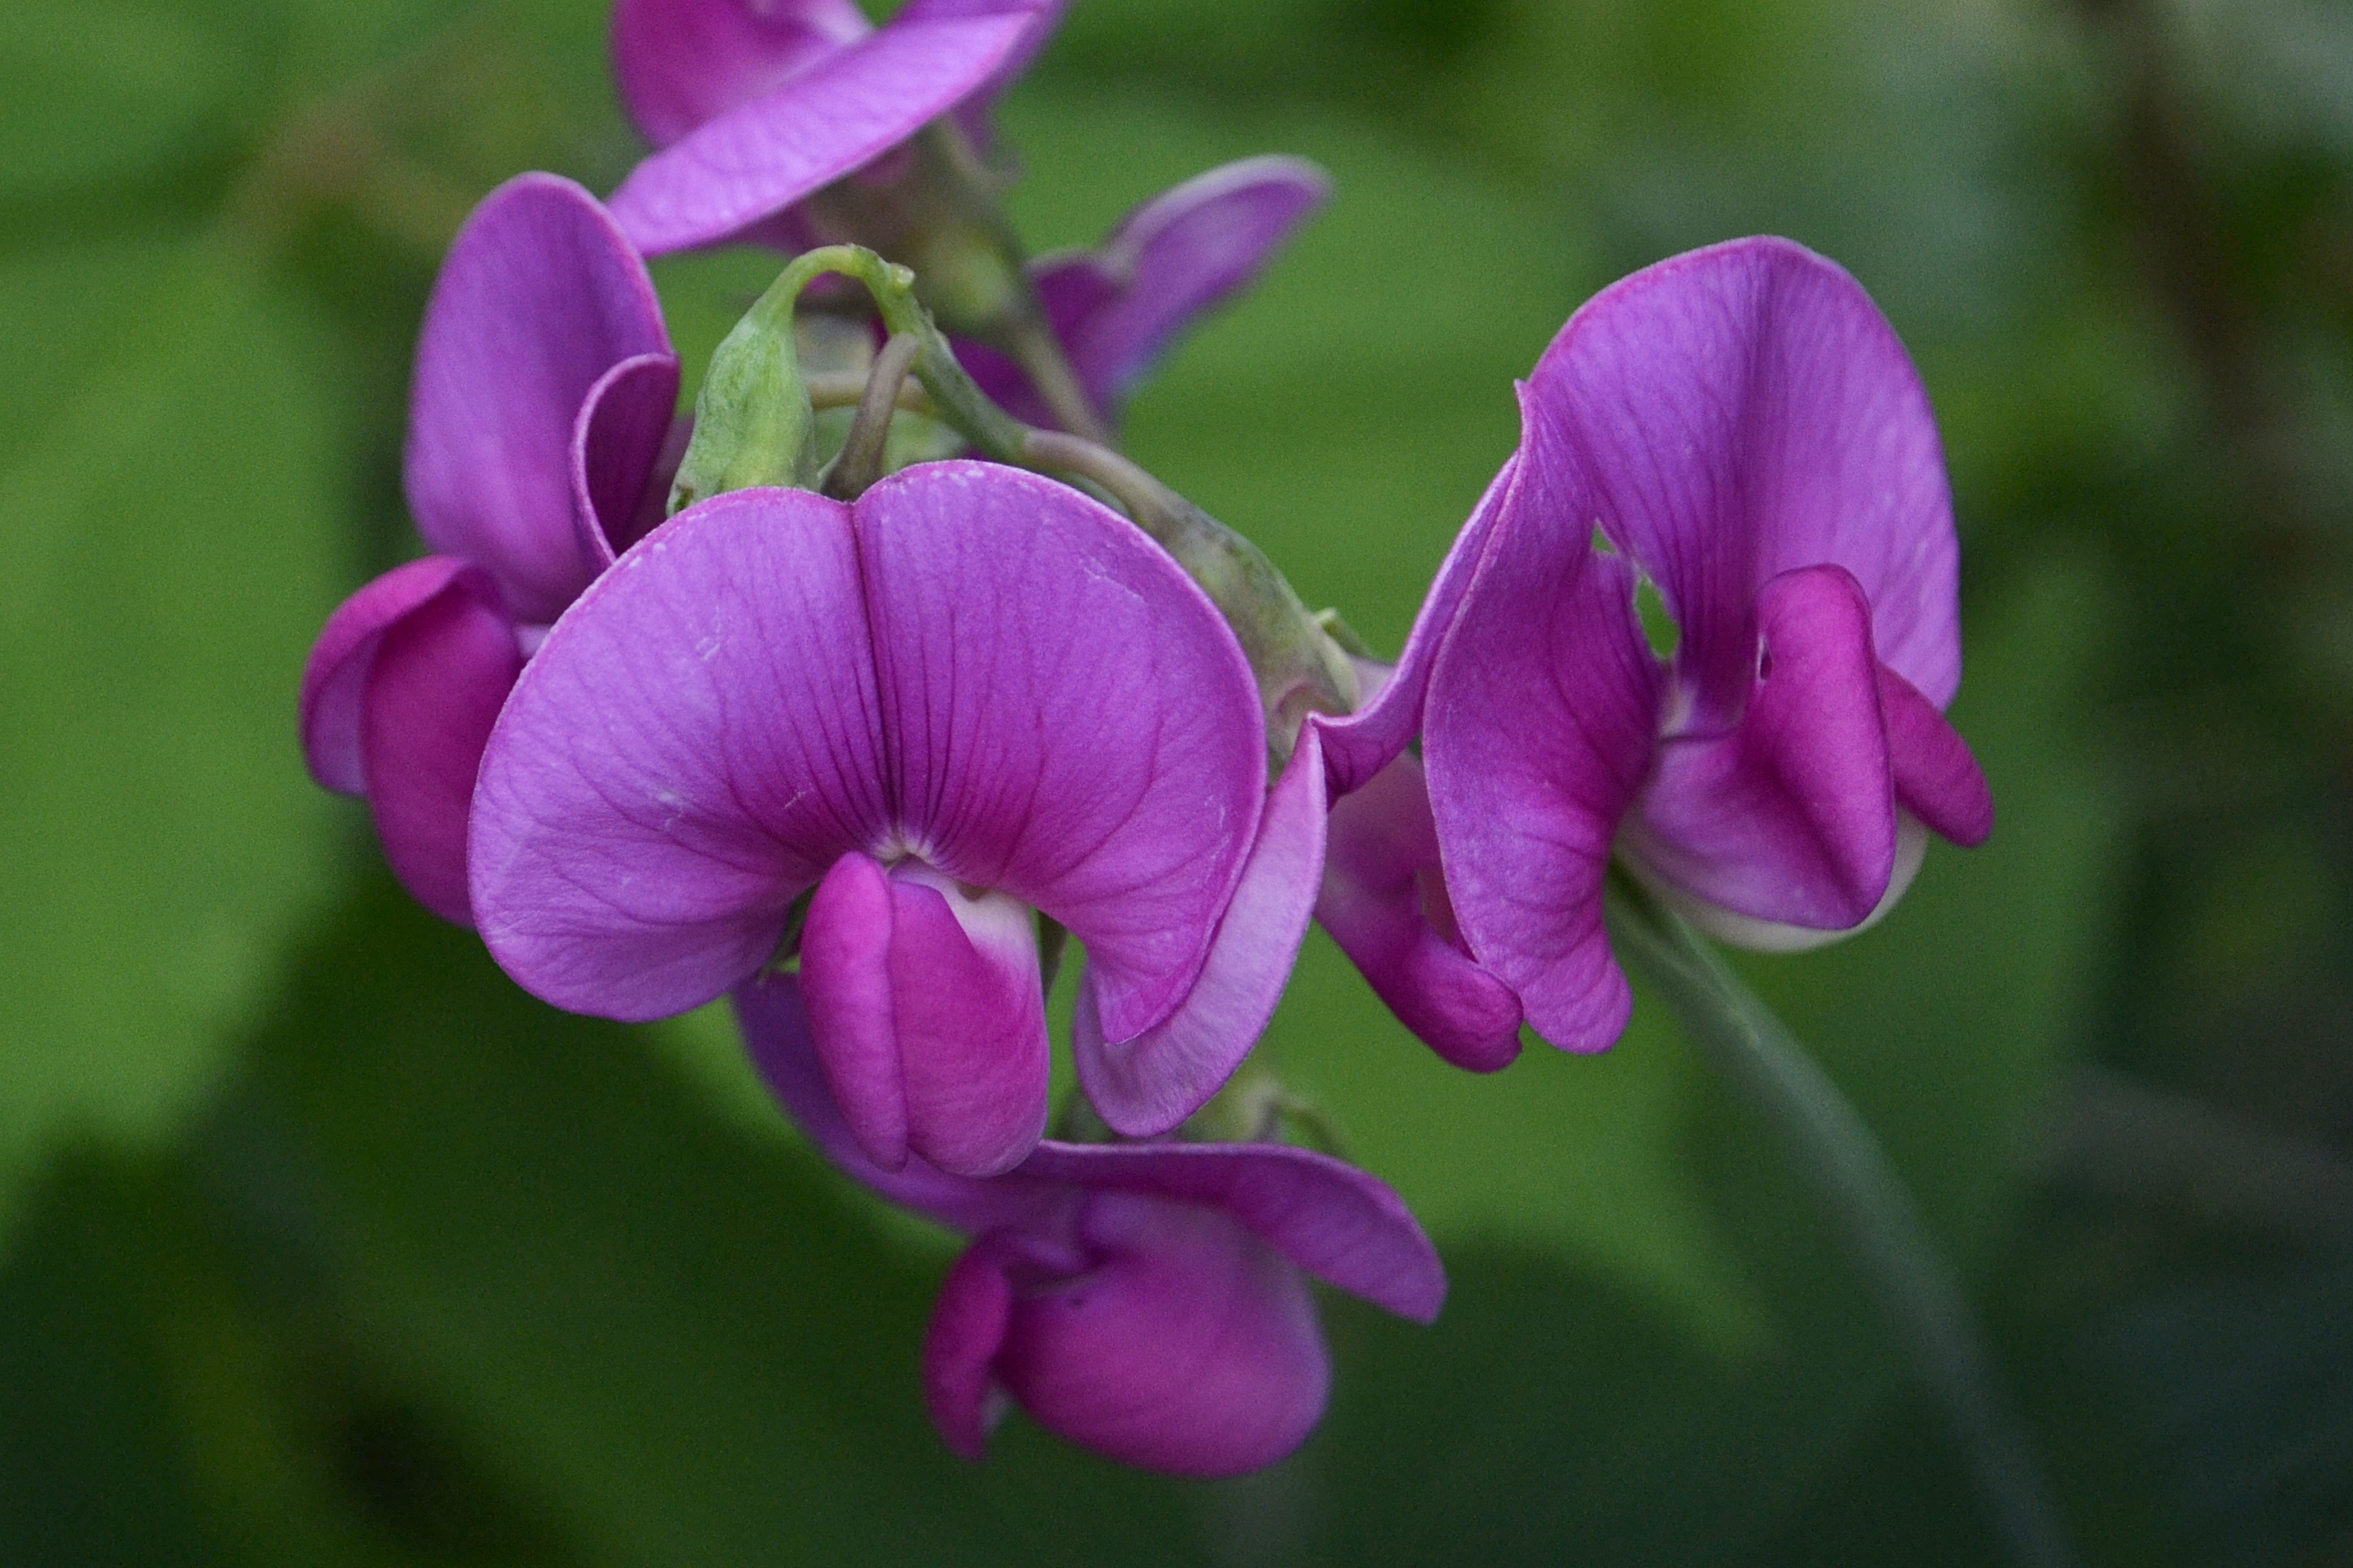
752	422
1255	1108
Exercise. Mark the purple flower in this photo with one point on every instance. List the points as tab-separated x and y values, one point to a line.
1745	430
544	394
1384	901
1145	1300
1117	308
971	694
754	107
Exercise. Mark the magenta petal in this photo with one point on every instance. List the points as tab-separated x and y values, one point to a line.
694	745
438	679
1147	1085
679	63
1068	718
1744	410
618	445
1791	817
1346	1227
777	1034
1117	308
932	1037
1937	779
1044	15
1190	1349
334	681
842	112
975	1308
970	1016
1541	715
540	296
1363	743
1381	881
1181	255
845	980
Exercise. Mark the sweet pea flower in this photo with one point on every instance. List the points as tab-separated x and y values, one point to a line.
1148	1301
1384	901
971	694
1743	428
1384	904
754	107
544	395
779	78
1117	308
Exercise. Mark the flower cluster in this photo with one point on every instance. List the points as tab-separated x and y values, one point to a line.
1740	427
863	755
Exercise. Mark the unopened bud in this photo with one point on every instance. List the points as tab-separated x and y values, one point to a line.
753	423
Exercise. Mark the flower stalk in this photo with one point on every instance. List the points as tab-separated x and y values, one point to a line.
860	460
1300	668
1819	1128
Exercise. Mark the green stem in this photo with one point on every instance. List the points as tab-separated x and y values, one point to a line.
834	389
1053	942
1820	1128
957	400
859	462
1300	668
1040	353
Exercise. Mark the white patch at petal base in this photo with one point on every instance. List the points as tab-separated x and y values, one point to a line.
1773	936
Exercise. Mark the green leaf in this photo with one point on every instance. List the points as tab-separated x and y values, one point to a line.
675	1329
183	1393
101	90
171	510
89	1469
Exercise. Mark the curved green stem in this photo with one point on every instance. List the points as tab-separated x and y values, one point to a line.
1040	354
1300	669
835	389
1822	1132
956	399
859	462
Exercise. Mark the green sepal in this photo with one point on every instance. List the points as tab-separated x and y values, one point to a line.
752	422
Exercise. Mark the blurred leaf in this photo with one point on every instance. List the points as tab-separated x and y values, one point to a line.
1348	413
175	1399
90	1470
679	1331
98	90
170	507
2249	1379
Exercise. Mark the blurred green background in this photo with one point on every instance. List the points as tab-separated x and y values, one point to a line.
320	1243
